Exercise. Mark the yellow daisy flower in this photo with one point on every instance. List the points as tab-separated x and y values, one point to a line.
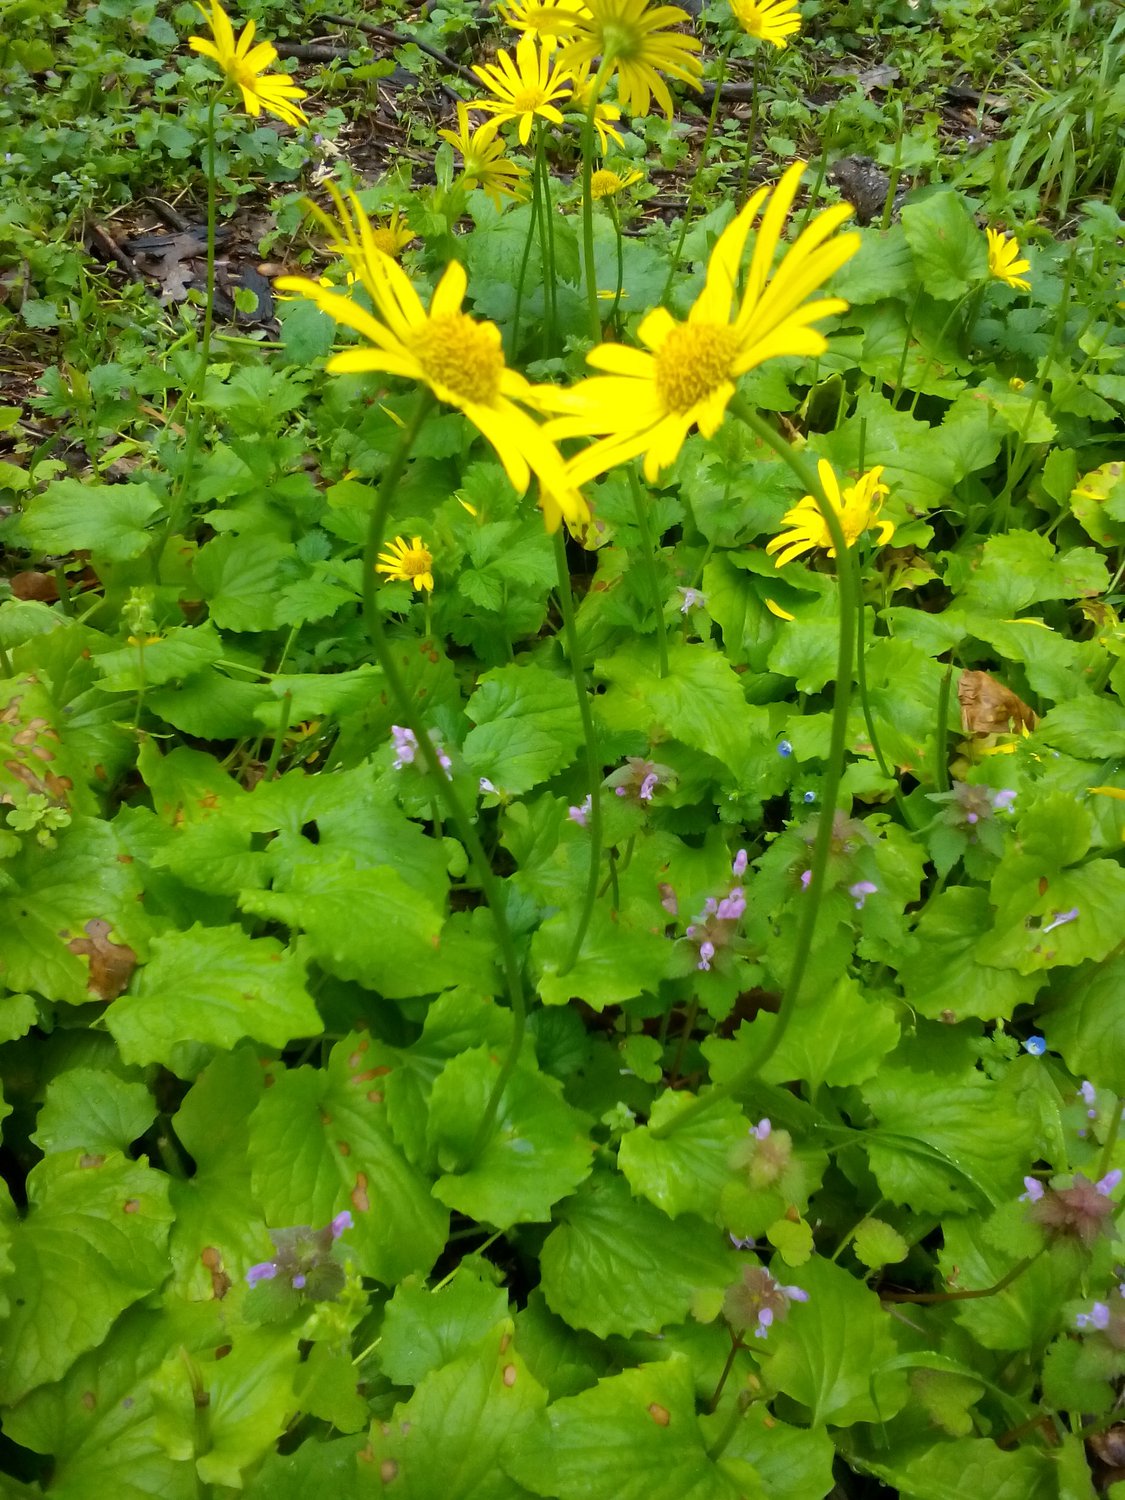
526	89
769	20
548	19
649	402
636	40
403	564
456	357
1003	262
607	184
606	115
392	237
485	165
245	65
857	509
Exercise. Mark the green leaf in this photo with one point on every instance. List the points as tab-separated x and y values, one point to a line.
616	1265
686	1171
1085	727
700	702
527	727
1023	568
1087	1023
320	1142
327	1386
391	950
317	1467
238	576
219	1230
968	1468
107	520
59	893
93	1111
1086	902
249	1399
451	1438
618	961
877	1243
837	1036
831	1351
793	1463
945	1142
424	1329
883	267
944	978
215	986
950	252
91	1245
538	1152
635	1436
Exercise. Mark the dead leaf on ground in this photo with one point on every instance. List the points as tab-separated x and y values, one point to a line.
988	707
111	964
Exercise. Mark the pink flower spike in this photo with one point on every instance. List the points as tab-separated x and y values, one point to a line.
731	907
741	860
580	814
761	1131
806	878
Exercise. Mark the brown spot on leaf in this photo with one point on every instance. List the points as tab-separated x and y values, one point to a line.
90	1160
343	1148
89	1400
374	1097
132	1206
1044	885
388	1470
212	1259
659	1414
509	1376
111	964
360	1201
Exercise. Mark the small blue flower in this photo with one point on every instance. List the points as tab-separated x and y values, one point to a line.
784	749
809	797
1036	1045
1097	1317
265	1270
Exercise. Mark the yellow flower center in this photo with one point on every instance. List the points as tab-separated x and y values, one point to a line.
389	241
603	184
416	560
462	356
527	100
693	363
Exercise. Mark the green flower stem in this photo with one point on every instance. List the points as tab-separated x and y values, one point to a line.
941	737
532	228
736	1344
593	754
546	239
906	346
588	202
195	392
1106	1160
845	664
376	530
865	702
648	547
752	127
616	218
693	191
896	170
738	1411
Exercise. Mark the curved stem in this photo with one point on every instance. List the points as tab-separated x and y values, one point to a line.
593	755
752	127
693	191
861	684
588	203
648	546
613	312
833	771
532	228
490	889
546	240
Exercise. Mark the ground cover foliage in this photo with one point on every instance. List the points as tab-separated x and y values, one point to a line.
546	951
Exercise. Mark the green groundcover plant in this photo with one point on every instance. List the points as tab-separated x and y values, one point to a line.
561	822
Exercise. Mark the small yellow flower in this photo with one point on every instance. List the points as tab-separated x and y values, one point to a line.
1003	262
525	90
485	165
392	237
857	509
769	20
245	66
650	399
403	564
606	115
547	19
607	184
637	42
457	357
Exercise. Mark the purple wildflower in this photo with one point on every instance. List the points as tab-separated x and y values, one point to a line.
340	1223
691	599
760	1301
762	1129
1061	918
1106	1185
265	1270
639	778
298	1282
648	786
406	746
860	892
1097	1317
738	866
706	954
731	907
1002	801
746	1244
486	786
1034	1190
1036	1045
580	814
806	879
